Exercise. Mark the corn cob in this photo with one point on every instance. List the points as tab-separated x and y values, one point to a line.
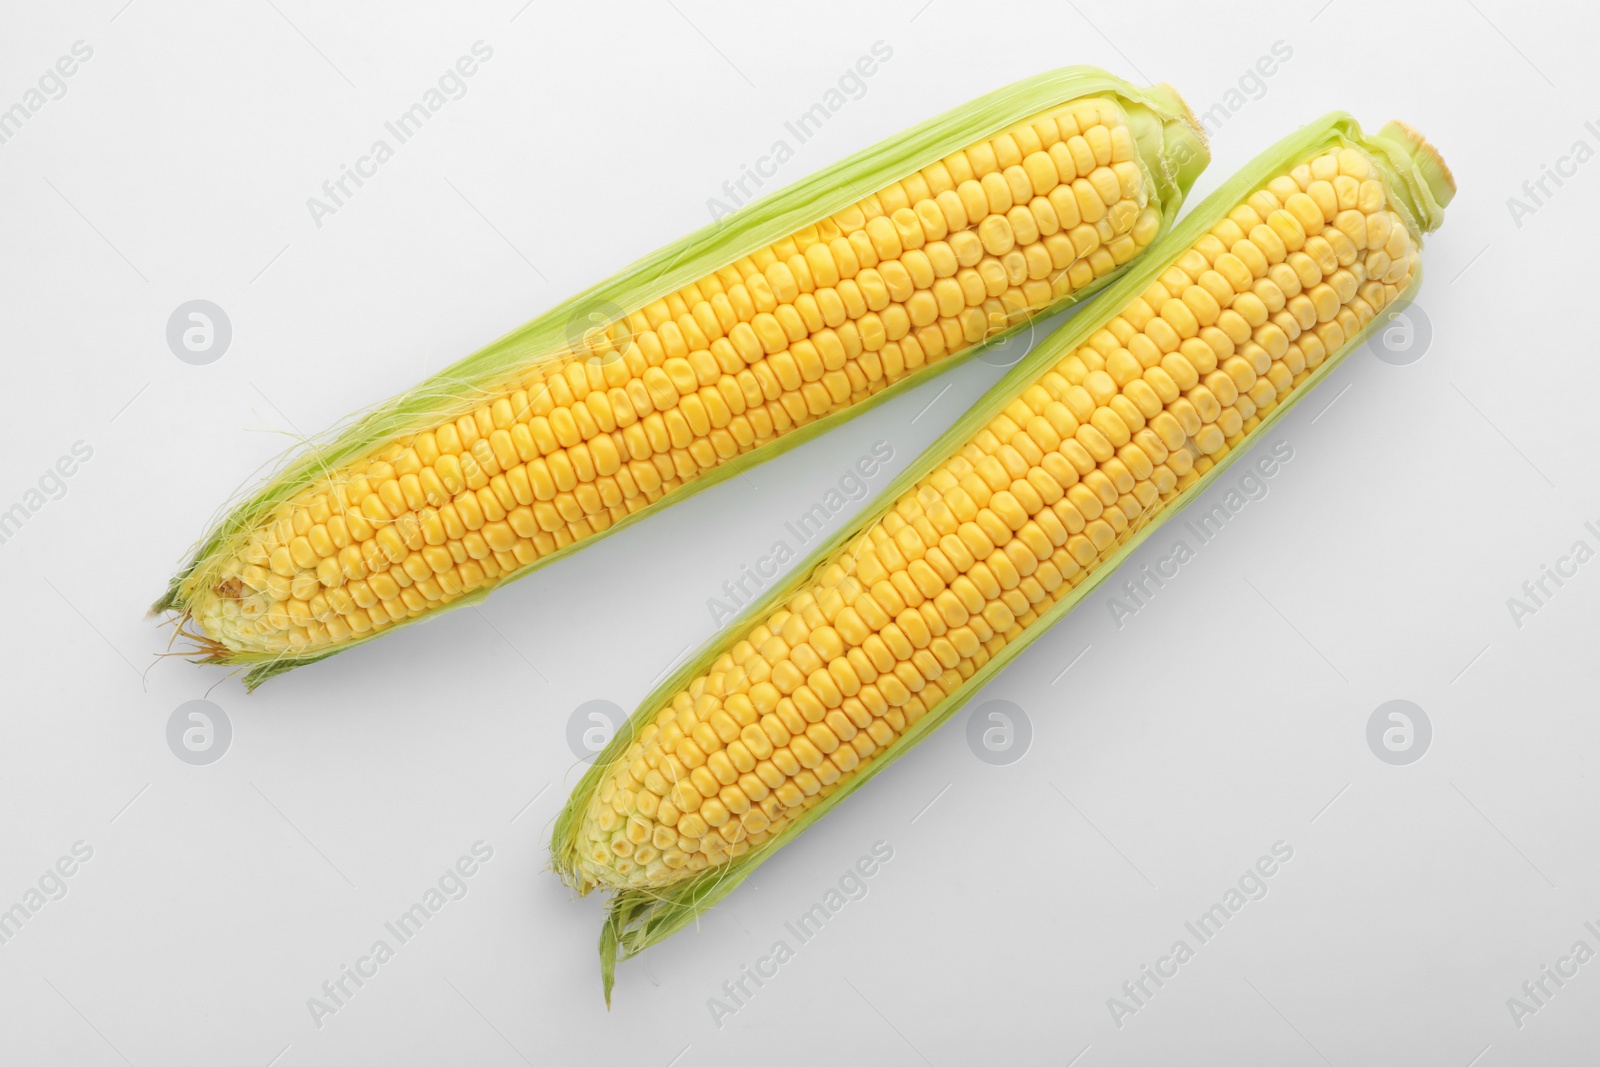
790	315
1002	525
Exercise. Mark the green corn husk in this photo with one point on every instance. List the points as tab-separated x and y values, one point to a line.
1419	187
1172	151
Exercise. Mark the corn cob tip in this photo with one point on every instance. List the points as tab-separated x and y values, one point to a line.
1172	142
1169	95
1430	165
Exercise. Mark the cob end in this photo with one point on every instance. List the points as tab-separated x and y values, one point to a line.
1429	163
1432	186
202	648
1179	105
1174	144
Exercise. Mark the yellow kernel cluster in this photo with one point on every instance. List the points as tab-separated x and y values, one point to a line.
819	321
1005	527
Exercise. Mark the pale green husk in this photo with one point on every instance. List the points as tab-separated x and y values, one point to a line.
1172	149
638	919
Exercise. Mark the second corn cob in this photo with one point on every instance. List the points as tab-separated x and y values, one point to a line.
1004	524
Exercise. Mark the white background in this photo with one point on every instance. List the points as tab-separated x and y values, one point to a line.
1227	715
